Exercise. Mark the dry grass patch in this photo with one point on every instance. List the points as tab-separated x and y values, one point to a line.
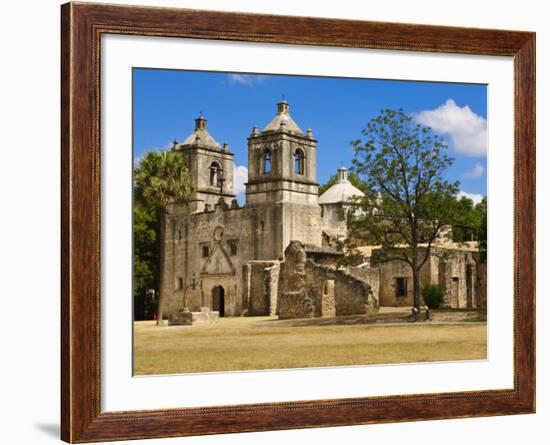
247	343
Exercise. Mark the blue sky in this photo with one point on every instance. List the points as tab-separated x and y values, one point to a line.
166	102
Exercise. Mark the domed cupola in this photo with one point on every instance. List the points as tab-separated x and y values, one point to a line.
342	191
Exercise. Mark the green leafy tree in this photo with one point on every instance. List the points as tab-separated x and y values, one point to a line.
146	257
408	201
161	180
469	219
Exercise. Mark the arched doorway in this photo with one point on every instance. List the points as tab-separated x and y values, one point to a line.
218	300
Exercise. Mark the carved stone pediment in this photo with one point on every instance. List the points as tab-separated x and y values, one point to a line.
218	263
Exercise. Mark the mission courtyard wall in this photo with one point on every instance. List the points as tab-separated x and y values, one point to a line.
454	270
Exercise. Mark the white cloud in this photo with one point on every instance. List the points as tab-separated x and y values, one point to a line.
245	79
475	197
476	171
240	176
167	146
467	130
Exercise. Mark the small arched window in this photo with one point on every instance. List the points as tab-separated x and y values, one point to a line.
299	162
215	174
267	162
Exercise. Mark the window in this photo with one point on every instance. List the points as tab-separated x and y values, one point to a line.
215	174
205	251
233	248
401	287
267	162
179	283
299	162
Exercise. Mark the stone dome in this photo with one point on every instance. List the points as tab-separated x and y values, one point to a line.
340	192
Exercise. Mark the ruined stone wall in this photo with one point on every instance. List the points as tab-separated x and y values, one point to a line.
370	275
308	289
293	300
352	296
271	280
296	305
261	287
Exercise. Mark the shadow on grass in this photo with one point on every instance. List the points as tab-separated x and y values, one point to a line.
338	321
440	316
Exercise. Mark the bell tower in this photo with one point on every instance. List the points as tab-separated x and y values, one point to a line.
282	179
210	166
282	162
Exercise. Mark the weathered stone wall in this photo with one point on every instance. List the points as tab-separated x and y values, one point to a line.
351	295
328	299
199	160
296	305
292	276
370	275
457	272
481	285
309	289
271	279
185	237
261	286
333	224
301	222
454	270
293	300
389	272
282	146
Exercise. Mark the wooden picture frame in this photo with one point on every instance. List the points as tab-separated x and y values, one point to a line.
82	26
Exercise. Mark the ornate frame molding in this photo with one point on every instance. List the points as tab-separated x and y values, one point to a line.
81	28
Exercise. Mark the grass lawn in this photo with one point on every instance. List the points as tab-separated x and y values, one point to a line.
246	343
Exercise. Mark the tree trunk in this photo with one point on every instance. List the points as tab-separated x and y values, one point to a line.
416	289
162	232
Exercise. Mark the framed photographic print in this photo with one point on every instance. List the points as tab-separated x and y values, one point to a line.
277	222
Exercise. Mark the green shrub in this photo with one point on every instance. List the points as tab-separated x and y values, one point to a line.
433	295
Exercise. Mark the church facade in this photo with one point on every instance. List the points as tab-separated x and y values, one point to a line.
227	257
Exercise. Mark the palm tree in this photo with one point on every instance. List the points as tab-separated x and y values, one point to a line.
161	180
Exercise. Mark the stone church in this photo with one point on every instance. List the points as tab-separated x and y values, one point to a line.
274	255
